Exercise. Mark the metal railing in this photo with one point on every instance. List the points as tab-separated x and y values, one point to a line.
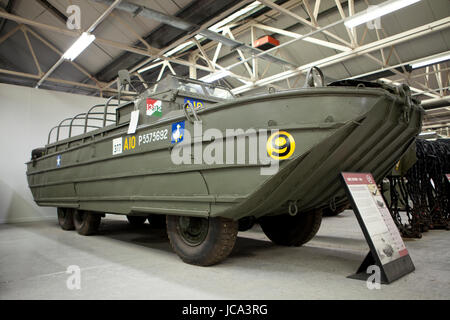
86	116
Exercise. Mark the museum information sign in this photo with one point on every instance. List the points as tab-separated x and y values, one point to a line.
387	249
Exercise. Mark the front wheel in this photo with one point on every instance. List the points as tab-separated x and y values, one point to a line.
86	223
201	241
287	230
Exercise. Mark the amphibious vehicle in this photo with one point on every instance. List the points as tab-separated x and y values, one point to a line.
190	159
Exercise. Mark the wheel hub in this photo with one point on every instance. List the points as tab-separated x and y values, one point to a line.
193	231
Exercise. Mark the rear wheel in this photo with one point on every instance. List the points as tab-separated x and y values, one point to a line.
202	241
65	218
287	230
86	223
136	220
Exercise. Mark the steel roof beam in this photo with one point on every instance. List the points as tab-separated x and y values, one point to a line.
54	80
97	22
53	10
413	89
188	36
152	54
270	15
387	68
429	92
436	102
166	37
296	35
190	27
302	20
59	52
376	45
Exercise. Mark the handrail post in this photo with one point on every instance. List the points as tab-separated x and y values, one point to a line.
106	110
58	127
71	122
57	132
86	121
87	116
70	127
50	134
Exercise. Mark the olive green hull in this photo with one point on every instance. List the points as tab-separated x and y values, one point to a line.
335	129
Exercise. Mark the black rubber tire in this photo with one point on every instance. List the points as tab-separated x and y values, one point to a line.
86	223
65	218
216	246
286	230
157	221
136	220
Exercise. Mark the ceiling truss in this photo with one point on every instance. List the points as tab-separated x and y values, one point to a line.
253	76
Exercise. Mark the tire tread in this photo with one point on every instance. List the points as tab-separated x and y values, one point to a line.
221	248
292	231
89	225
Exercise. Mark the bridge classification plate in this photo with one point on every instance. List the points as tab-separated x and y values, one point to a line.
387	249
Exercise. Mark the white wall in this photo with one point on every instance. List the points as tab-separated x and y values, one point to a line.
26	116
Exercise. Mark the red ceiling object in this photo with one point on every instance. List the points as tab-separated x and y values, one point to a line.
266	43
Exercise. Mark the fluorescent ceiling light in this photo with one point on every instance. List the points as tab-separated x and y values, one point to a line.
78	47
182	46
432	60
215	76
237	14
154	65
217	26
178	48
377	11
243	13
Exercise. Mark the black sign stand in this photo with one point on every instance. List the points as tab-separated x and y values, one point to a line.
361	273
390	271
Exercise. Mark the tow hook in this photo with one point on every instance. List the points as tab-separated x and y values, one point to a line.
293	208
405	93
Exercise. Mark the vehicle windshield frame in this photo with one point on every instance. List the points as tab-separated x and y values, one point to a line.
177	83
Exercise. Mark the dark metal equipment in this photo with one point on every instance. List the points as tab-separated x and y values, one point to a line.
422	193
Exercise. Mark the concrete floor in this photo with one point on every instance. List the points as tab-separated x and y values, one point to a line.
137	263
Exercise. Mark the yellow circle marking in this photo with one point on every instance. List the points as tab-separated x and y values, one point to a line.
280	145
280	141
